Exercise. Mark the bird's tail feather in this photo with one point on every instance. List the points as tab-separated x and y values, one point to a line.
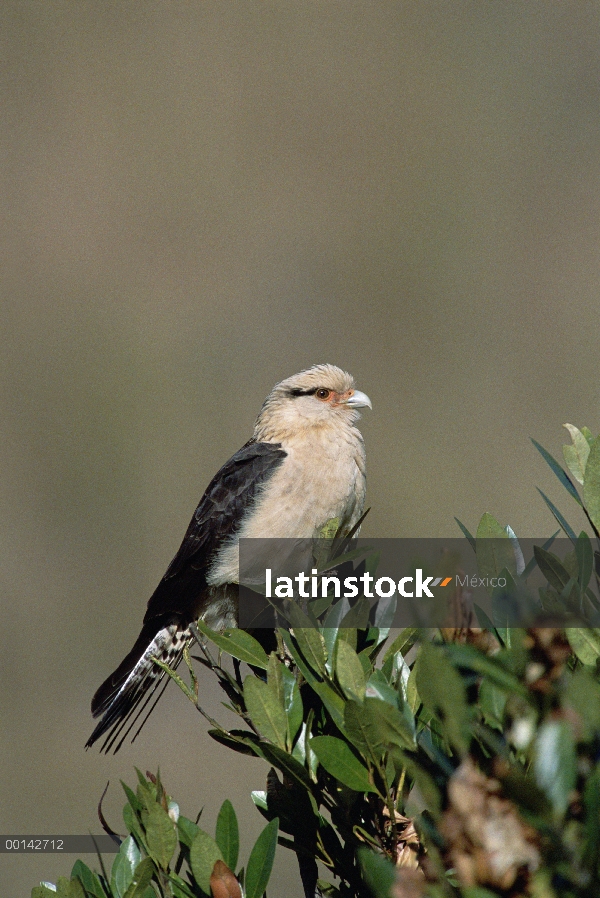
123	697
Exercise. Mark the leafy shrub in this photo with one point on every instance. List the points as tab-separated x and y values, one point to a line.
458	762
162	844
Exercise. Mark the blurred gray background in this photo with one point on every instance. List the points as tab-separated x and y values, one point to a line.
199	199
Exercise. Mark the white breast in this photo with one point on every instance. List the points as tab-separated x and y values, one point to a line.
321	479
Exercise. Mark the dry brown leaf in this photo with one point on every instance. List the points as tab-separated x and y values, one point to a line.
223	883
408	884
488	843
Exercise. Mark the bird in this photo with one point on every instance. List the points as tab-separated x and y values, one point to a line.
303	466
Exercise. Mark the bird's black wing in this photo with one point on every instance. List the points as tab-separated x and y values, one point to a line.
228	498
177	600
222	507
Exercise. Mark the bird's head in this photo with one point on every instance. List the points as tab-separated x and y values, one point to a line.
321	396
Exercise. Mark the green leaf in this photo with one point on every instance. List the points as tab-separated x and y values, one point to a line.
330	630
227	834
309	640
180	888
585	642
585	559
292	703
282	682
259	797
511	601
238	644
237	740
555	763
489	528
266	713
123	867
583	696
378	687
424	783
395	729
275	677
492	702
161	836
333	702
442	690
76	889
532	563
330	635
362	728
339	760
484	621
204	854
591	484
375	726
403	642
385	609
88	879
329	530
327	889
63	887
352	555
469	536
335	615
260	862
591	801
560	473
366	660
146	791
187	830
413	699
358	615
132	797
310	758
176	679
576	455
378	872
285	762
318	607
349	635
494	549
489	667
349	672
141	879
560	519
552	568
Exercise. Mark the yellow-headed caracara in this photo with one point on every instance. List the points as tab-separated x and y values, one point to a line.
303	466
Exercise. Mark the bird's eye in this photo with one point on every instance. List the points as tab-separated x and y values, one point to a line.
323	394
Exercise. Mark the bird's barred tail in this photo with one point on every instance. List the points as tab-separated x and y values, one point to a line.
124	697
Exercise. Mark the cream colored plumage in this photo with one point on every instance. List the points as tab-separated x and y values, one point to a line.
303	466
324	473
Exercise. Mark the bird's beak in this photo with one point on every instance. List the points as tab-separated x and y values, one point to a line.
359	400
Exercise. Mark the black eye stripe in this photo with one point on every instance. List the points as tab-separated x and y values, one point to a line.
296	393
